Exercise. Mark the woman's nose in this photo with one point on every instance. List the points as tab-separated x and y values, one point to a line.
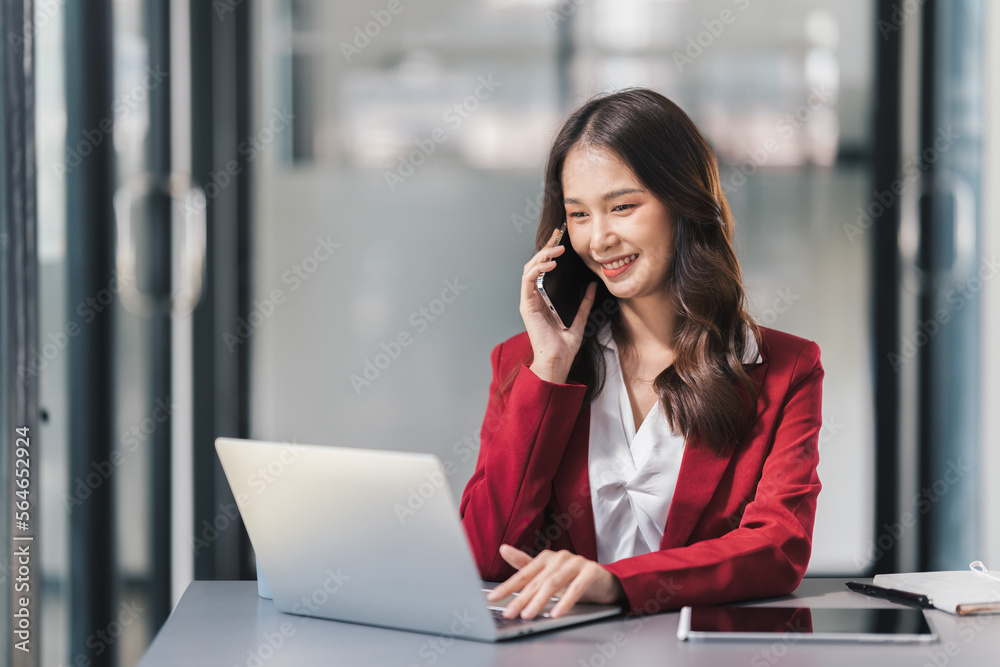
603	235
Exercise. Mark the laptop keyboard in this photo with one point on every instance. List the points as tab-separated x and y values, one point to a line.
496	609
503	623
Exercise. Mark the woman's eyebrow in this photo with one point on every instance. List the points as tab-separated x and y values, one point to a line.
606	197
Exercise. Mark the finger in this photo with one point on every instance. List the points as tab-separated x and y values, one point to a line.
513	608
537	593
554	251
524	596
552	582
558	584
528	286
580	321
556	236
539	264
545	259
533	575
580	584
518	580
517	559
552	248
544	266
514	556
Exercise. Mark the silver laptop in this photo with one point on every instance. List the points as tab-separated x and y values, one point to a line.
369	537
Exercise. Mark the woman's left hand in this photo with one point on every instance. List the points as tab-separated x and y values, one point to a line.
561	573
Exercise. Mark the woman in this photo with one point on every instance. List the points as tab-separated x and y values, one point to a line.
662	450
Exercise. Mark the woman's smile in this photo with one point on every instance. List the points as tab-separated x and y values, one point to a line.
615	269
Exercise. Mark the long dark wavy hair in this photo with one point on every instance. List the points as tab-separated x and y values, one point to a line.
666	152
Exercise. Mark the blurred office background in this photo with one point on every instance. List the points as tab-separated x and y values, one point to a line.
243	204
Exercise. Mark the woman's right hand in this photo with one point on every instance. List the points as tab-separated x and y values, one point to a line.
554	346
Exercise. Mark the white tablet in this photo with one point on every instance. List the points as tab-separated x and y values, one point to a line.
794	624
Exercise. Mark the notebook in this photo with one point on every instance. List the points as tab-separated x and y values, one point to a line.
963	592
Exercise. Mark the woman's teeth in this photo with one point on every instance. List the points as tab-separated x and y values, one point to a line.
620	262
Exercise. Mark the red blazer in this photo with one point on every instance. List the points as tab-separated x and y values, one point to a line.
739	526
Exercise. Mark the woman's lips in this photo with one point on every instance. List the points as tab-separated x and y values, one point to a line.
611	273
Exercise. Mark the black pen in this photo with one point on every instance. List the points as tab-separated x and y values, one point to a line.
892	595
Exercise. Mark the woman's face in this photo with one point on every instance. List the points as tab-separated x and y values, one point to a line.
611	217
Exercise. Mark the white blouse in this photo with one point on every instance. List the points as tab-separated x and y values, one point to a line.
632	473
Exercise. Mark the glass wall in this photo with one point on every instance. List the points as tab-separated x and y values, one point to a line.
51	365
399	154
127	467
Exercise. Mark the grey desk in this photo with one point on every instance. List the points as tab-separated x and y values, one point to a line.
225	623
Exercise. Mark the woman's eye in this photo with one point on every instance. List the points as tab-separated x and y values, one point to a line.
575	214
622	207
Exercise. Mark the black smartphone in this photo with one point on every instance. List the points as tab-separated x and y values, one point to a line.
564	287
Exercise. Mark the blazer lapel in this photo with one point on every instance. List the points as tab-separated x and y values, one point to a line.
572	488
697	480
699	476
